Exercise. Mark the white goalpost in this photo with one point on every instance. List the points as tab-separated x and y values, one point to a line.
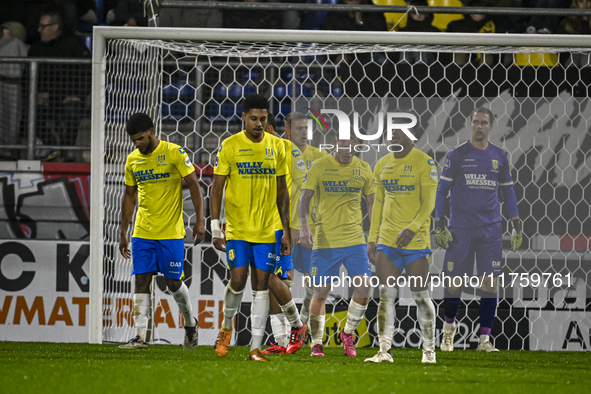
192	82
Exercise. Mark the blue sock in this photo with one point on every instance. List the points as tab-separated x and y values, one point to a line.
488	308
451	305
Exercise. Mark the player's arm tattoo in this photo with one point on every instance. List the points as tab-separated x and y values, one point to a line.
283	201
304	211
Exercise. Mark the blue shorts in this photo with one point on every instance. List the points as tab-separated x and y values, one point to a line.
282	263
166	256
326	262
301	258
402	257
241	253
485	243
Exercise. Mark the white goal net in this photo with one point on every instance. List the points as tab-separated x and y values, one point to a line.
193	81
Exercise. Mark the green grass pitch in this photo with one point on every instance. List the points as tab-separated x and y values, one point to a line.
83	368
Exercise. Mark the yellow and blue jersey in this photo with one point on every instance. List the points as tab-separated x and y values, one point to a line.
405	197
337	190
251	171
157	176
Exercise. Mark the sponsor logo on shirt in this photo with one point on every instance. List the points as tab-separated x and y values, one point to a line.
139	160
392	185
479	180
447	163
339	187
176	264
254	168
496	264
148	175
431	162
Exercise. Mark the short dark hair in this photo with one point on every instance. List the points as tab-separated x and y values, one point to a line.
483	110
138	123
272	121
293	117
255	101
55	16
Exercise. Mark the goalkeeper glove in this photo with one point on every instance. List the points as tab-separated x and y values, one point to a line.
442	234
516	235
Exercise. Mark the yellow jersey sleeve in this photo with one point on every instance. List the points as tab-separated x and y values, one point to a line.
378	205
222	162
129	178
369	187
182	162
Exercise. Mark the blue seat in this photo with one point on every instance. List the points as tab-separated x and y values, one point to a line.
315	20
178	102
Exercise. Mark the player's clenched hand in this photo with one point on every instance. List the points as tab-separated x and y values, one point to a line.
371	252
516	234
306	239
218	237
442	234
286	244
125	252
404	237
199	231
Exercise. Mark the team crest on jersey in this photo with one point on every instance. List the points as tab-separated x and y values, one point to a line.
314	270
161	159
231	254
450	266
495	164
269	152
447	163
407	169
356	172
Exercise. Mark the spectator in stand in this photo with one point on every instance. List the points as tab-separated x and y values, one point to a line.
62	87
362	67
13	36
473	23
577	25
75	11
419	23
546	24
242	19
127	13
191	17
355	21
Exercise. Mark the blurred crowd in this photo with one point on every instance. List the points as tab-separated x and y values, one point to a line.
63	29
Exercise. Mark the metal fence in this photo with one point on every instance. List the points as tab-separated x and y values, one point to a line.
45	109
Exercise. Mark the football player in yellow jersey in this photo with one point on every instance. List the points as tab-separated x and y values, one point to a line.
155	171
406	184
338	181
296	128
283	264
251	166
